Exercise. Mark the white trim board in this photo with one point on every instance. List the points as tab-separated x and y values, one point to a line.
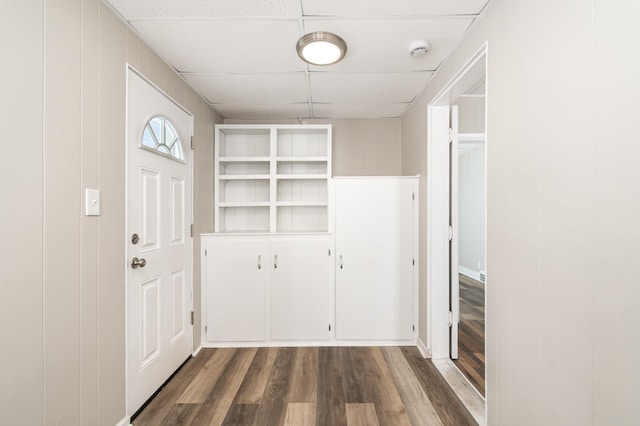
468	394
196	351
124	421
424	351
309	343
470	273
437	210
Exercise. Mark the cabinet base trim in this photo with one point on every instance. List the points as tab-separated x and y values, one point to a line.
309	343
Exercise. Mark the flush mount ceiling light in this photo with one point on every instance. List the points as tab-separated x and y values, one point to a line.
321	48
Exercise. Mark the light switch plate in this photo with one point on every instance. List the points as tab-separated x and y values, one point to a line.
92	202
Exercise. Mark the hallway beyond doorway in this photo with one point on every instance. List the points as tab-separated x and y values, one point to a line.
471	340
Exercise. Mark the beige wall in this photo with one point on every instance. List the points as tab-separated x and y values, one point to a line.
563	208
360	147
62	294
21	213
470	115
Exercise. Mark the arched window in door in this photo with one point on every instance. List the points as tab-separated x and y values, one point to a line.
161	137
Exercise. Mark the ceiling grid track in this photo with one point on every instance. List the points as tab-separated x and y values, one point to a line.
306	68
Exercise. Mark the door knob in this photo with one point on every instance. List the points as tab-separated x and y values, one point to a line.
135	262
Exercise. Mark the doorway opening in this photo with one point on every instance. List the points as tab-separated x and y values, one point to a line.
467	215
456	231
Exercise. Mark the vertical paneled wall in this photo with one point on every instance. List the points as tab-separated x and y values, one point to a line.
562	207
367	148
616	209
62	200
89	226
21	213
63	273
112	54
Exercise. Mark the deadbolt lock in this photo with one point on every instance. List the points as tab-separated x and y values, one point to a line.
135	239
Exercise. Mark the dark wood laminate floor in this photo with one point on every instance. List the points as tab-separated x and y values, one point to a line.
471	332
307	386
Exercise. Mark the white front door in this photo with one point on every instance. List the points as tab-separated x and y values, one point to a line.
159	245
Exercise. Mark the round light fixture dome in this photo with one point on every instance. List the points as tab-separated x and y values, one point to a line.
321	48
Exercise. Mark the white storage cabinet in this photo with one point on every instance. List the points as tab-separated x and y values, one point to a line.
234	271
272	272
267	288
376	249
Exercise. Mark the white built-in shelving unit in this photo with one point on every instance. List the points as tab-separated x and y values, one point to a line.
272	178
274	273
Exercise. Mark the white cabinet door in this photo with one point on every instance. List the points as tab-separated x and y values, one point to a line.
299	278
374	259
236	289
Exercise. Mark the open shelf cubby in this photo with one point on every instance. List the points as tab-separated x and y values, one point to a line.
272	178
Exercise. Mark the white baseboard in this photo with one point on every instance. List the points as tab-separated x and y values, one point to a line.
196	351
309	343
124	422
463	388
469	273
426	353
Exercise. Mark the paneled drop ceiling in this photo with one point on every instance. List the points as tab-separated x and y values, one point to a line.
240	54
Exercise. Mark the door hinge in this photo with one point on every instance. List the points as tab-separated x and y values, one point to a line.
192	317
205	328
192	230
450	135
192	143
450	318
450	233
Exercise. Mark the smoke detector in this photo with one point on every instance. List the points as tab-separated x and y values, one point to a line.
419	48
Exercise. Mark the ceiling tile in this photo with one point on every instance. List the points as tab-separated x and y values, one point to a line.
263	112
243	46
198	8
359	111
240	54
250	88
356	8
366	88
377	45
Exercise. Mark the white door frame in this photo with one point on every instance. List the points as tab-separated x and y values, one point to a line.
189	246
438	339
454	260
